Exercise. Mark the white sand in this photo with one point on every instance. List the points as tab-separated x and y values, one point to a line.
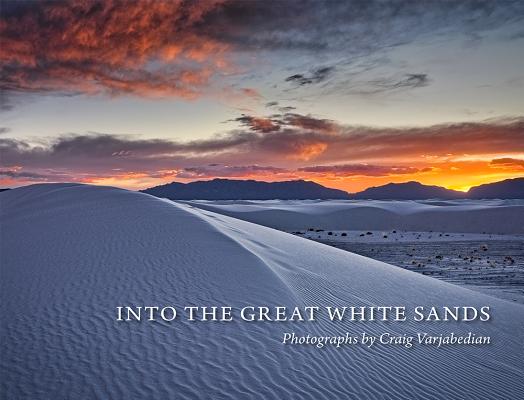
462	216
71	253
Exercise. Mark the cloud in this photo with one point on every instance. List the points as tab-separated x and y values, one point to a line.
352	27
413	80
508	162
144	48
282	109
302	143
4	129
359	84
318	75
408	81
23	174
228	171
308	122
179	48
290	120
354	37
294	134
361	170
258	124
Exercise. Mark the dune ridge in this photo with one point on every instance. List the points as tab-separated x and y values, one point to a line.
72	253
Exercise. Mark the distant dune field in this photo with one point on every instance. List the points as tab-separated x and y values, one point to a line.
466	216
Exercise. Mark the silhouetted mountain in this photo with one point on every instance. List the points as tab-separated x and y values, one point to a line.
3	190
226	189
507	189
408	191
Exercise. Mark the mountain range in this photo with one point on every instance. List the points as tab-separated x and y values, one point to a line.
227	189
407	191
508	189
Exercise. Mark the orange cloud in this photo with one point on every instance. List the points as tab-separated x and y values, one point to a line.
307	151
507	162
346	157
146	48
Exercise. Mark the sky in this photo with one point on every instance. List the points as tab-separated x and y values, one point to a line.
349	94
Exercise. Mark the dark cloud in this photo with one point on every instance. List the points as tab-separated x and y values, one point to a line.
407	81
308	122
282	109
259	124
361	170
352	27
384	85
4	129
23	174
275	122
228	171
317	76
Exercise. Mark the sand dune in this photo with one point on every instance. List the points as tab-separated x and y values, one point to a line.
466	216
71	253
